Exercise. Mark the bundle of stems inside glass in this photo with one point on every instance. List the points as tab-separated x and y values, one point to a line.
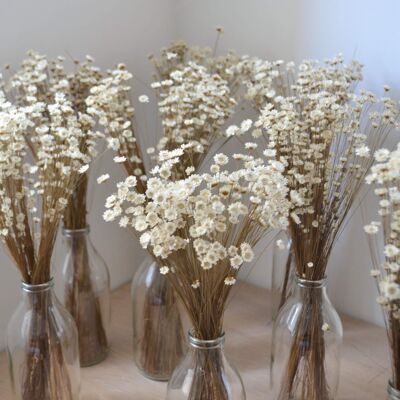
194	102
40	166
384	235
80	298
325	135
202	228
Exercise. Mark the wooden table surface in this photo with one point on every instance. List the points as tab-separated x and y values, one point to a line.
364	373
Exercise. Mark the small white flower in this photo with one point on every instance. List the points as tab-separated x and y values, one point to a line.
120	159
143	98
221	159
103	178
362	151
150	150
325	327
230	281
232	130
195	284
171	55
371	229
164	270
83	169
382	155
391	250
246	125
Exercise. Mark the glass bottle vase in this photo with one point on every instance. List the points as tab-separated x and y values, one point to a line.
205	374
42	347
86	294
393	394
158	337
308	336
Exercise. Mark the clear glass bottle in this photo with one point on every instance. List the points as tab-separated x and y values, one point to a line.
42	347
308	337
85	292
159	341
393	394
205	374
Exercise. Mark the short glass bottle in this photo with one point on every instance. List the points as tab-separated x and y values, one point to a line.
308	336
159	341
42	347
85	292
205	374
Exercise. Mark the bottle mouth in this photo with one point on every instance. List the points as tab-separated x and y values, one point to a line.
310	283
35	288
75	232
206	344
393	393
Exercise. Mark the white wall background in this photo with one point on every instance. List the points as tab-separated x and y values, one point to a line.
127	31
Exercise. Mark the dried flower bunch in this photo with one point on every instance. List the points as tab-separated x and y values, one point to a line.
194	104
202	228
178	55
324	134
325	138
43	127
49	77
194	107
385	233
267	80
110	104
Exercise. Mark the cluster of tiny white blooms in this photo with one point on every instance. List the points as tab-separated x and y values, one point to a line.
266	80
204	214
109	103
325	138
194	105
47	142
178	54
385	175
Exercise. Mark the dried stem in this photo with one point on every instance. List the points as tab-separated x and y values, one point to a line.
45	377
305	376
209	381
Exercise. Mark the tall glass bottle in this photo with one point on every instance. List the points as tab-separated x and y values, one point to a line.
205	374
307	343
158	339
86	294
42	347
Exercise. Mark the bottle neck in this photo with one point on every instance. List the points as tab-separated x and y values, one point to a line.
304	286
200	344
76	233
37	293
